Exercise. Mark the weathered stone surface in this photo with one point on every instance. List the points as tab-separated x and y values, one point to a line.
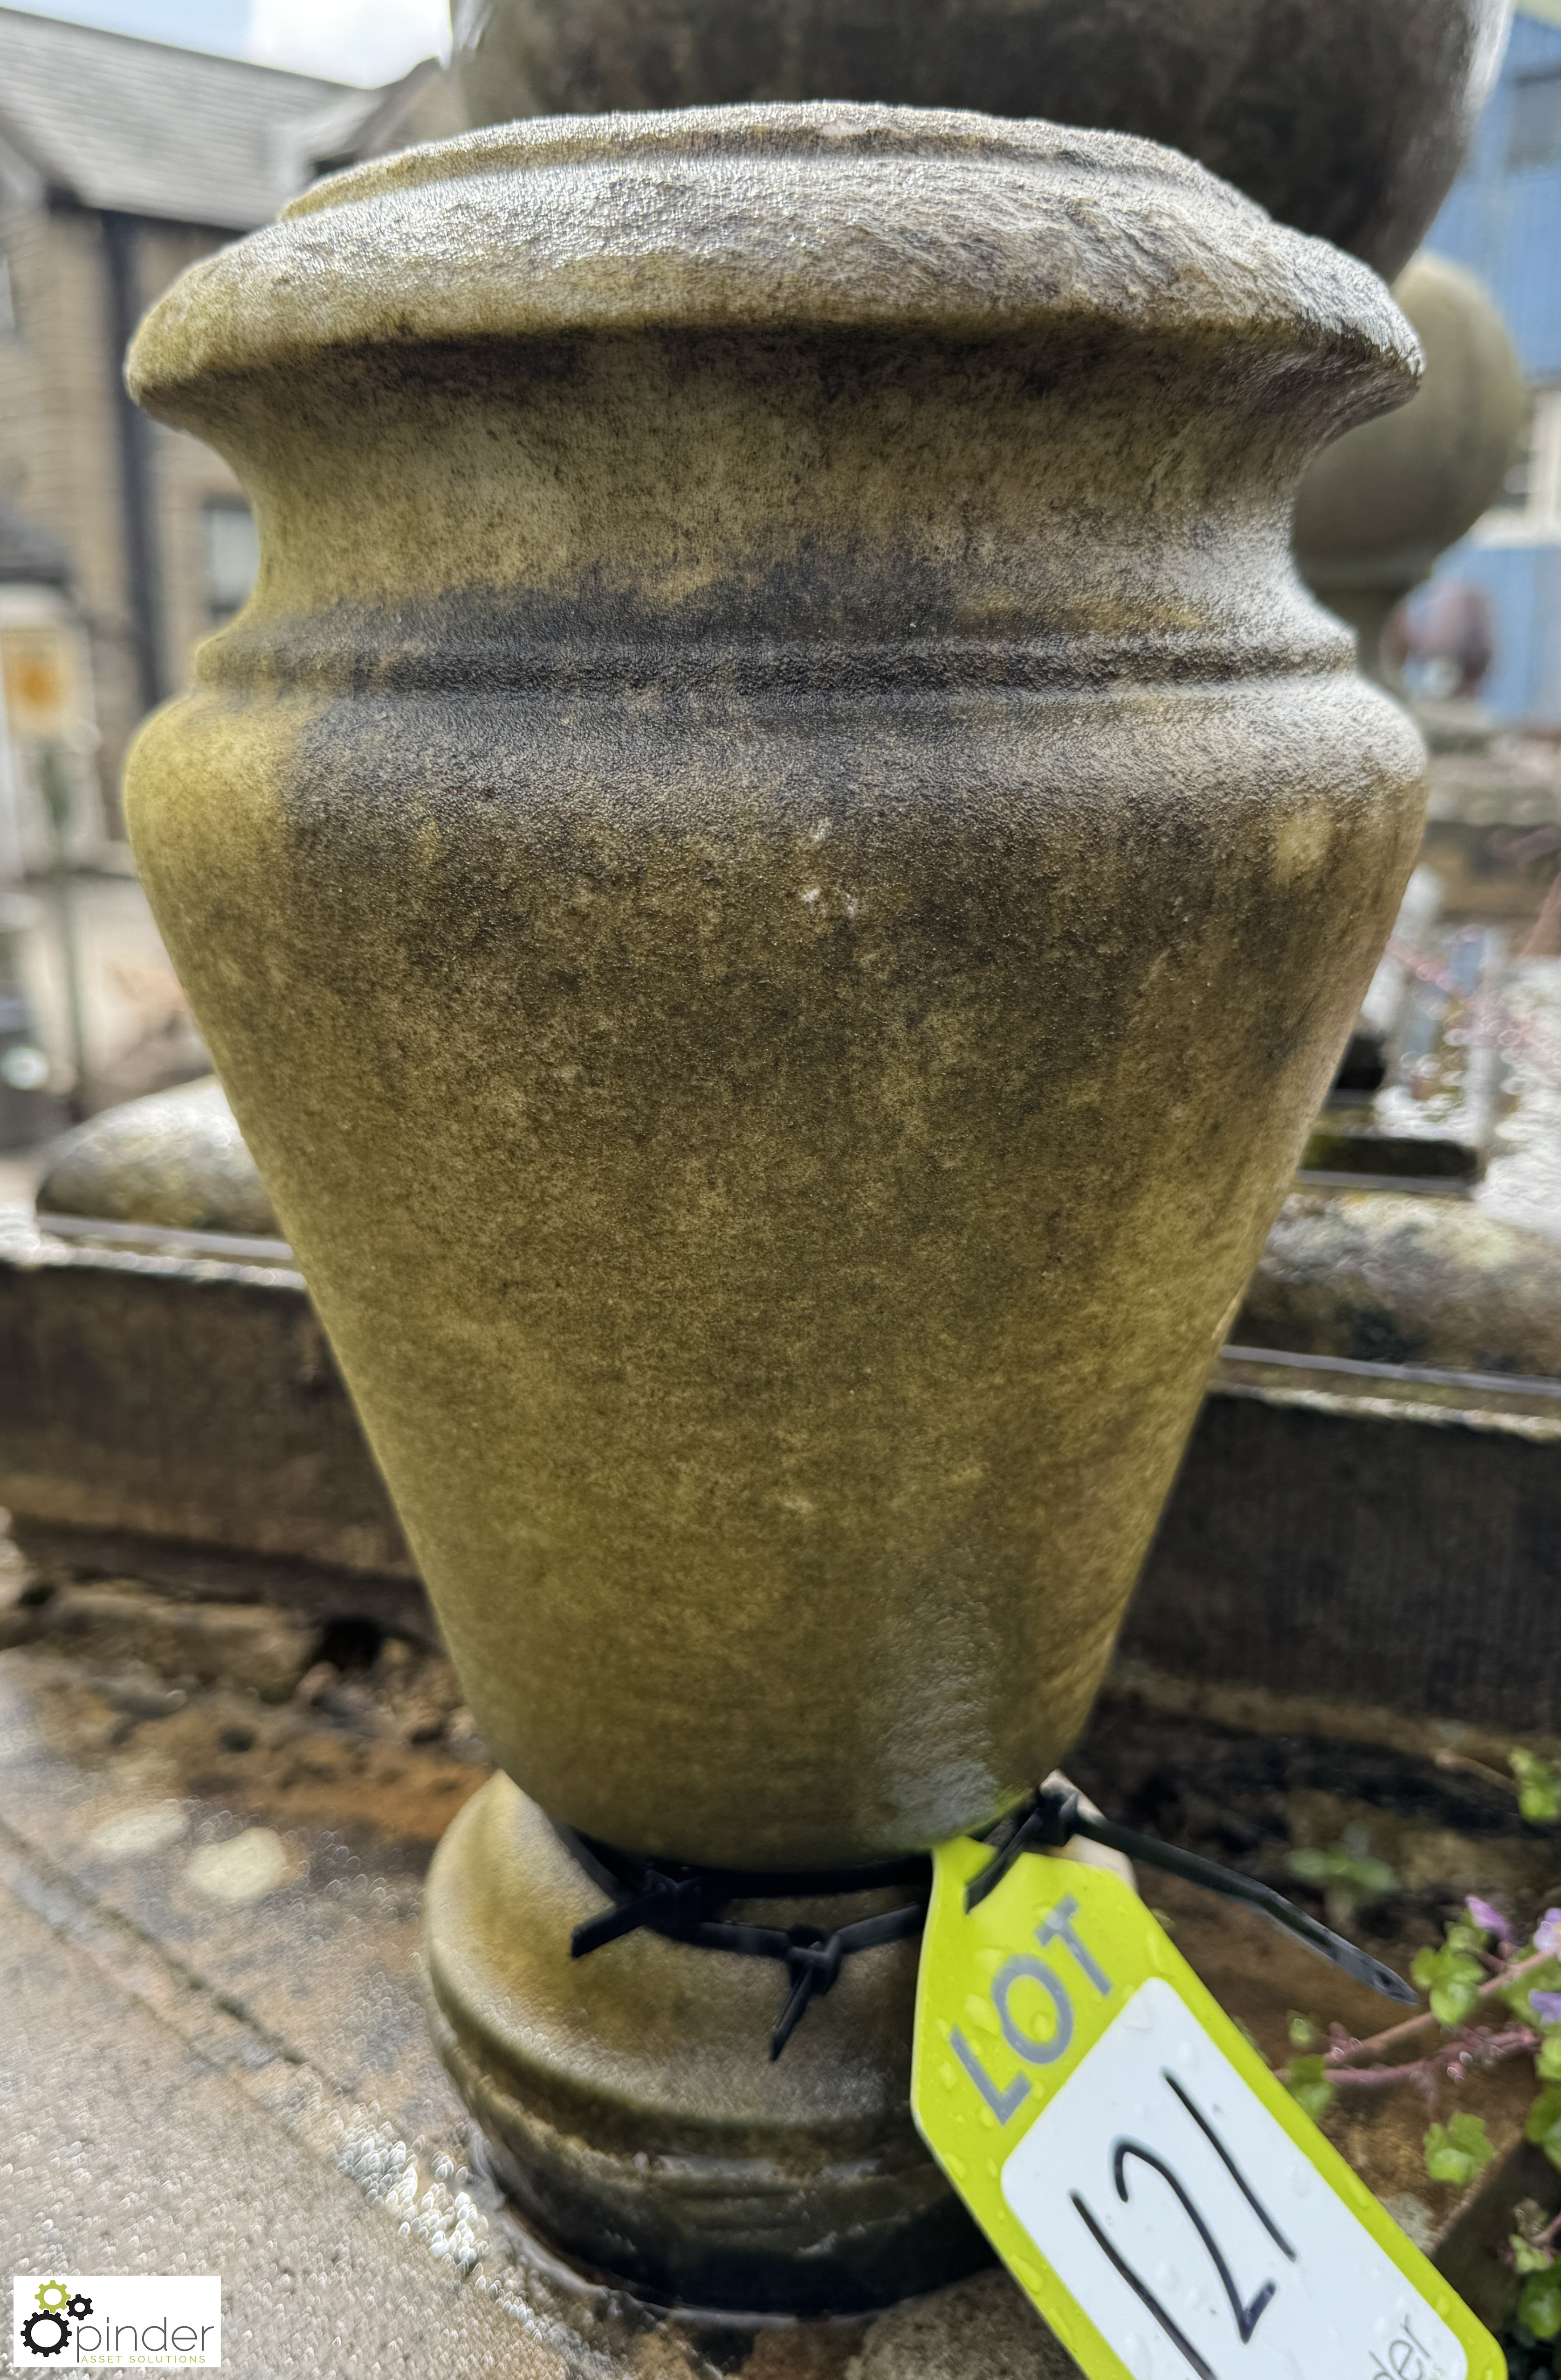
177	1158
183	1419
1376	509
1387	1280
1364	1539
248	1645
631	2102
1347	119
244	1869
984	2328
712	1316
117	2127
774	871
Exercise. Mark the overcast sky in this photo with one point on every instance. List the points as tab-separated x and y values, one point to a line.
355	41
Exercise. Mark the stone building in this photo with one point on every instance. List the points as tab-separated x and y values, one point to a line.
121	161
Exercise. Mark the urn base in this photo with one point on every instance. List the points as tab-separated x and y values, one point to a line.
631	2107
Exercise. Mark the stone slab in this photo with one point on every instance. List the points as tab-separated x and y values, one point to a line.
1353	1531
179	1418
127	2151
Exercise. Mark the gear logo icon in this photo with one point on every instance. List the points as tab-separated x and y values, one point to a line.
47	2332
46	2315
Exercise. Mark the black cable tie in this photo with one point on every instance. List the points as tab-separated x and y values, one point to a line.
1056	1816
665	1902
814	1968
678	1902
1051	1822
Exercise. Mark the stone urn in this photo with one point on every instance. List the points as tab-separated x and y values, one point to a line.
1348	119
775	870
1374	512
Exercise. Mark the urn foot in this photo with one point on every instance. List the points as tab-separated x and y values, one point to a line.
631	2106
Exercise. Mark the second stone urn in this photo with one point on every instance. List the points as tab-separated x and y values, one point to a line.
775	871
1345	118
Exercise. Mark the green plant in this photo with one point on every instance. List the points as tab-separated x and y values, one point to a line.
1309	2083
1535	1780
1478	1967
1456	2151
1539	1786
1539	2306
1481	1970
1348	1874
1543	2127
1452	1976
1531	2248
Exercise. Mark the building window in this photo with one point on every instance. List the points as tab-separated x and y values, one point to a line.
1533	133
233	555
1528	508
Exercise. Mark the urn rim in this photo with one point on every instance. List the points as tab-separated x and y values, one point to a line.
797	217
766	130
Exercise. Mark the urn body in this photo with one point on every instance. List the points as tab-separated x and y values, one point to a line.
775	871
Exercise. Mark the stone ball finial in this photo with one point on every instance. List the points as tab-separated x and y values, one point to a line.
1376	509
1347	119
176	1159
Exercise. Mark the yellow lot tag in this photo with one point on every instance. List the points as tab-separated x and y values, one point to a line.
1158	2194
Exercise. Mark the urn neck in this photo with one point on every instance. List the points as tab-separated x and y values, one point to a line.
943	514
781	373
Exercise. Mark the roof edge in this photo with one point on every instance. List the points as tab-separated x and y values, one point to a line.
323	83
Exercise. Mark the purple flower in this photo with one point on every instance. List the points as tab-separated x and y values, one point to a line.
1546	2006
1547	1932
1490	1920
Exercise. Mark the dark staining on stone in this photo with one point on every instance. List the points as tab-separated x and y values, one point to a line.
774	905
